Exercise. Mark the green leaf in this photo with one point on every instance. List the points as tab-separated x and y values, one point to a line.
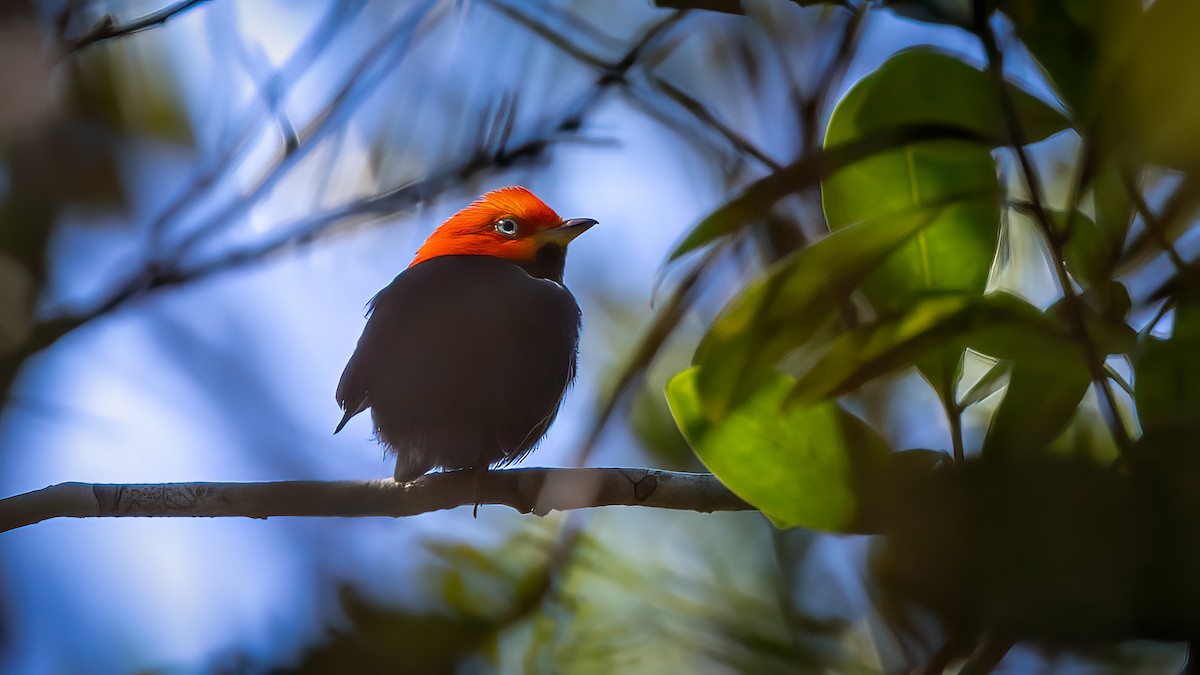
927	86
989	324
799	466
759	197
1038	405
759	327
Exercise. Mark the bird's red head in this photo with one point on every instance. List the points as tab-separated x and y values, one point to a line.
509	223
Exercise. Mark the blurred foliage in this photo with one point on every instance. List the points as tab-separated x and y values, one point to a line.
484	593
61	145
547	600
1070	520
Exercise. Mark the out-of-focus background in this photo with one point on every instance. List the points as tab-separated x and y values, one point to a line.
193	216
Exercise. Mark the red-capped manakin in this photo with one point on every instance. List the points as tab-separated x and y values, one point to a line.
467	354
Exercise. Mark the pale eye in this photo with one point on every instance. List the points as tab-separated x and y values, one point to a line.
507	227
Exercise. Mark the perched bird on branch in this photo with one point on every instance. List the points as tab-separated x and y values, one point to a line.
467	354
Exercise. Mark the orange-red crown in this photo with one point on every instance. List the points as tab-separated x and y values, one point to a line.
475	231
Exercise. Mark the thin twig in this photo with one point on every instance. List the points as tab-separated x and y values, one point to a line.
954	417
535	490
1177	207
549	35
1153	225
813	105
275	91
107	29
394	43
1072	303
704	115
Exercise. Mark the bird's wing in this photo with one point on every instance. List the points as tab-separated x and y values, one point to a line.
426	336
353	387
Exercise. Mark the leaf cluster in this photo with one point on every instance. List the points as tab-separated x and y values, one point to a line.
1063	511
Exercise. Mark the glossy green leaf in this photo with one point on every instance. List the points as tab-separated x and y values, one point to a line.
788	306
927	86
897	341
924	85
799	466
1038	405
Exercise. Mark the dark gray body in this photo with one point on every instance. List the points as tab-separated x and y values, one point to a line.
464	362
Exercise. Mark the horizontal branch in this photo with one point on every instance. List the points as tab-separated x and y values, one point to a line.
532	490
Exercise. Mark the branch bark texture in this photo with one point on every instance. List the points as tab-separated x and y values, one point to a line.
533	490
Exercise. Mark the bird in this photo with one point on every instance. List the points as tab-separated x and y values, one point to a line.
468	353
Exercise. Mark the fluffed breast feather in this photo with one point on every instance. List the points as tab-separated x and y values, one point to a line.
464	361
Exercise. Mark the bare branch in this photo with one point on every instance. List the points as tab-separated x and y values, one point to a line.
707	117
532	490
527	147
1154	226
273	92
392	46
107	29
563	42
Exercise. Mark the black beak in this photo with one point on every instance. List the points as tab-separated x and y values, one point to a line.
568	230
